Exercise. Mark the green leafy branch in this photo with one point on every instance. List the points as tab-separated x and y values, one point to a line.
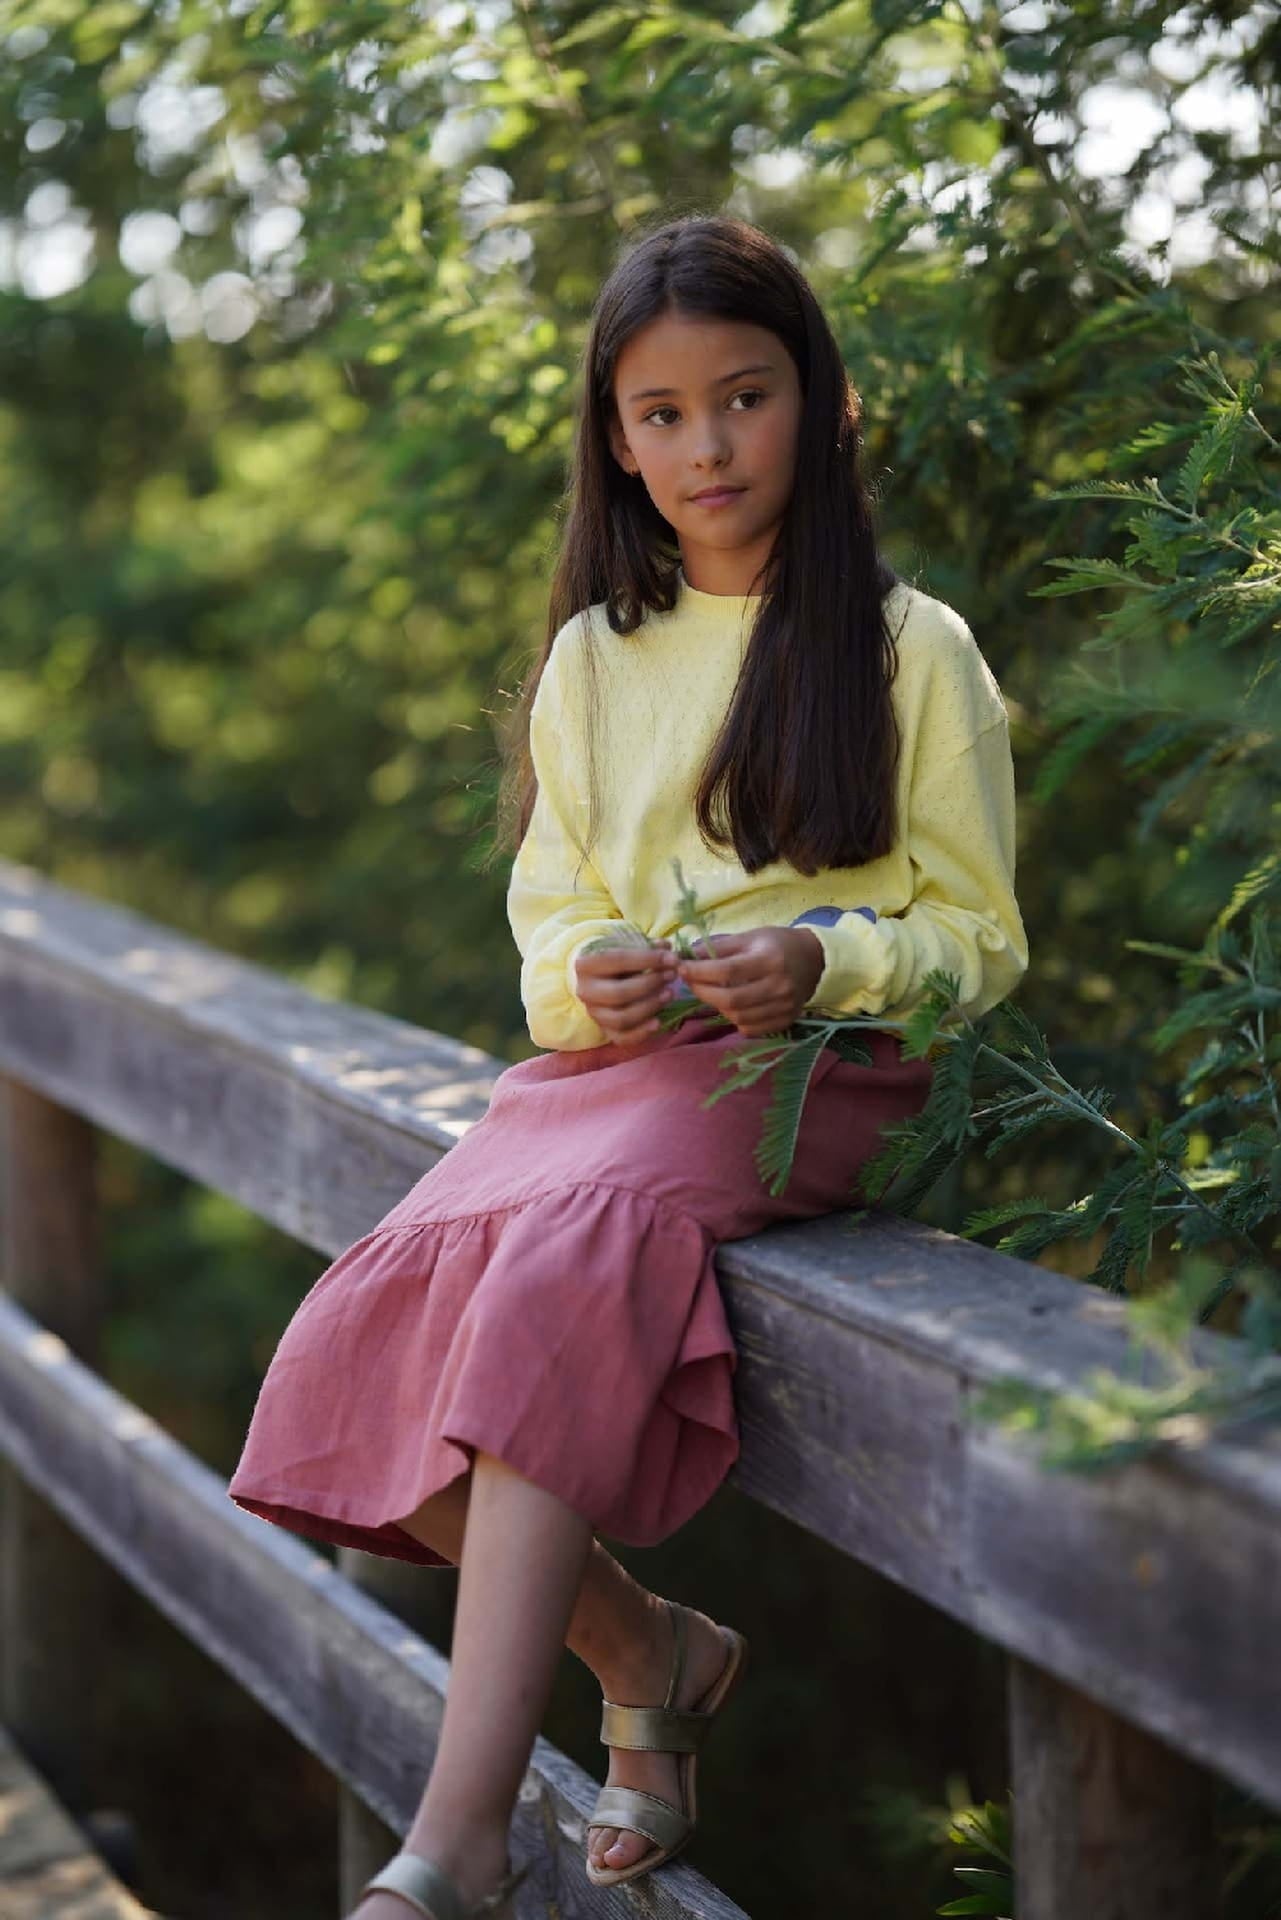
995	1082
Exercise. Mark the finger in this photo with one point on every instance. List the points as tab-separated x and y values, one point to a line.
707	950
617	962
621	996
707	973
731	970
621	989
625	1014
735	996
636	1025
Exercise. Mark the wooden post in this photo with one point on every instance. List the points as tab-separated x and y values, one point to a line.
1108	1820
51	1582
423	1597
365	1843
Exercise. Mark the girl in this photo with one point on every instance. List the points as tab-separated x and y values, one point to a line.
533	1341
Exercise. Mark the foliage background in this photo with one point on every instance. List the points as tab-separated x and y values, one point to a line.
290	304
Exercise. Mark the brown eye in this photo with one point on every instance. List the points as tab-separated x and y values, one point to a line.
756	393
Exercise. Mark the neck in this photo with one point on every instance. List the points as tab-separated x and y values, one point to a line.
738	575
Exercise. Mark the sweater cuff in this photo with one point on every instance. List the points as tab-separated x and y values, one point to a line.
859	957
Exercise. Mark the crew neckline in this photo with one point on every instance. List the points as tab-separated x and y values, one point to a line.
698	601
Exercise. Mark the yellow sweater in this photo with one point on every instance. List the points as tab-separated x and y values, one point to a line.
942	897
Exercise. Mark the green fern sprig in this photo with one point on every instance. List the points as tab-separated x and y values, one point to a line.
994	1081
689	913
792	1062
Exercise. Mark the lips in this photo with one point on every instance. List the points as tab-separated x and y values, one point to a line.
716	493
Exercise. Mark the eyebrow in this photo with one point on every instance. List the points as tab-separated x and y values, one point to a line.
650	393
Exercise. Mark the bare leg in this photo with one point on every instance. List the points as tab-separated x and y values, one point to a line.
618	1628
522	1565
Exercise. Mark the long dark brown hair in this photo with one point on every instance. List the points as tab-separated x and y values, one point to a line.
805	760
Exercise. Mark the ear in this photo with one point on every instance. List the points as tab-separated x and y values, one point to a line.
620	449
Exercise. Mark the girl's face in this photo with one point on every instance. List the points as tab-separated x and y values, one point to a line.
706	403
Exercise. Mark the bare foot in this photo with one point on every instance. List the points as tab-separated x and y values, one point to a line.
706	1654
383	1906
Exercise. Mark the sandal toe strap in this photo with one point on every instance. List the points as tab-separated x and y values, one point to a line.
433	1892
656	1729
657	1819
427	1887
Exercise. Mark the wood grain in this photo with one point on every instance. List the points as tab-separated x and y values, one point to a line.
48	1870
1150	1590
357	1686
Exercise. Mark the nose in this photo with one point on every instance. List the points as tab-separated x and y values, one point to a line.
711	445
709	473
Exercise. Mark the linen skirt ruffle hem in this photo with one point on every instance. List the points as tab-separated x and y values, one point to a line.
547	1293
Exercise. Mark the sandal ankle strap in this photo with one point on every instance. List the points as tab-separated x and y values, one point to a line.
665	1729
680	1641
654	1729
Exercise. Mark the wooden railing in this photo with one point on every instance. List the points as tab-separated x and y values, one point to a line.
1139	1607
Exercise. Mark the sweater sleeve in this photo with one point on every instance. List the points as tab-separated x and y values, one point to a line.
963	916
556	899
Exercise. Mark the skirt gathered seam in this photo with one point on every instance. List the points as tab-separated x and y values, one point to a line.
512	1206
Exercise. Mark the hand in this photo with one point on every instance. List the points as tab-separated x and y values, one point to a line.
760	980
623	987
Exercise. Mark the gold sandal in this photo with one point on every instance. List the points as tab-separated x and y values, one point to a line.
431	1891
665	1729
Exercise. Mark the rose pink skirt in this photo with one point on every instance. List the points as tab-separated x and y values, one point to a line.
547	1293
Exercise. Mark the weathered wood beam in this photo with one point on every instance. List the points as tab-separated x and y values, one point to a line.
362	1691
48	1870
1149	1588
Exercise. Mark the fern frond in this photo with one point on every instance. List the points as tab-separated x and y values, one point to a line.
1137	1215
940	998
1081	575
1210	454
1032	1238
916	1152
1218	1006
1263	878
1018	1125
1146	490
1246	1205
949	1108
1159	742
989	1217
744	1065
776	1148
847	1044
1113	1263
1026	1039
1099	1097
1065	754
1160	802
904	1169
